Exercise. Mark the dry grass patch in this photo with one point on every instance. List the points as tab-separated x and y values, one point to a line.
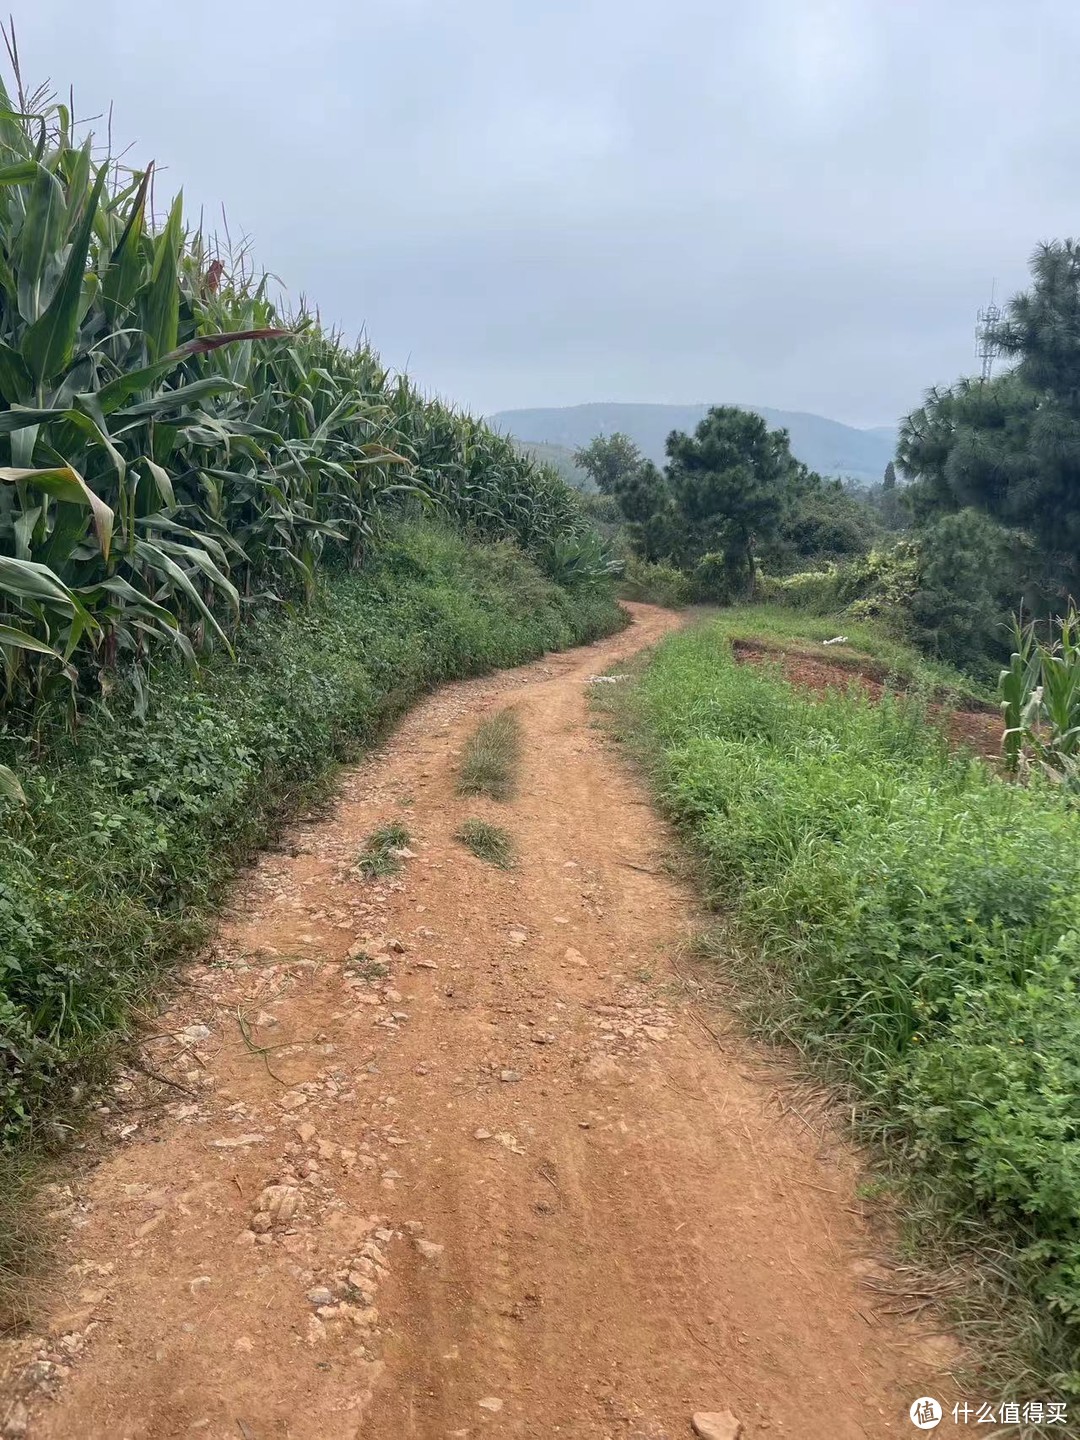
492	757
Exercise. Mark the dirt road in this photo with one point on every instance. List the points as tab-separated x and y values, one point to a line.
512	1187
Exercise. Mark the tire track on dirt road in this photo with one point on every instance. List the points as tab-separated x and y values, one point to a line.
491	1179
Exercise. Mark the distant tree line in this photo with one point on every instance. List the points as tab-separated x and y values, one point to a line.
730	499
978	518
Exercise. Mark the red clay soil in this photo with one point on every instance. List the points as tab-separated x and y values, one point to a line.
978	730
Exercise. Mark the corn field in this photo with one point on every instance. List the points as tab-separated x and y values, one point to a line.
173	450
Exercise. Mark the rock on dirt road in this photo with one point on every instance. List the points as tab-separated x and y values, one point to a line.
453	1155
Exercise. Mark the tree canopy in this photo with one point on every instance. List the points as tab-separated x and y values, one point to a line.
611	460
730	492
1010	447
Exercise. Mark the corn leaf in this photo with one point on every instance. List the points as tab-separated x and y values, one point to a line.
161	306
48	344
66	484
39	242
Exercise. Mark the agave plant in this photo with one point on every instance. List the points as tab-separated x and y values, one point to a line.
580	561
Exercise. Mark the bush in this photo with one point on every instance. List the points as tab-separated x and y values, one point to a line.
967	581
130	831
916	923
714	580
656	583
879	585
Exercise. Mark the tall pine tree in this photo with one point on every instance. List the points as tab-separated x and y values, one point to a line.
1010	447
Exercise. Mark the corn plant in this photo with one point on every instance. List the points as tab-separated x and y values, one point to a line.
173	449
1040	700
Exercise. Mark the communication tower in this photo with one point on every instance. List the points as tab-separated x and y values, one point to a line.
986	323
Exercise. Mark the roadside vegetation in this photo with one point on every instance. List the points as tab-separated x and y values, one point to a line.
489	765
908	919
233	548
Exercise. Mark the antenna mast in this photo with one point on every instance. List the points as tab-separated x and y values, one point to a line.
986	323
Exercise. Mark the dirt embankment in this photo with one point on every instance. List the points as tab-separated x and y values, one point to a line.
462	1152
978	728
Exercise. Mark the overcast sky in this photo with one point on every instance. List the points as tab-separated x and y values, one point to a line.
795	203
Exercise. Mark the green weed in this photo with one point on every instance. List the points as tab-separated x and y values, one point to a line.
378	856
487	842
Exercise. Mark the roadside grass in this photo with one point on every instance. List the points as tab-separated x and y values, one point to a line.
490	762
378	855
487	842
909	923
114	869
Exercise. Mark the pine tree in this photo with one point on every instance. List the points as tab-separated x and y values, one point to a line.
1010	447
731	482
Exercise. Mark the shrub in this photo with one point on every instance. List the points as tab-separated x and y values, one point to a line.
656	583
715	580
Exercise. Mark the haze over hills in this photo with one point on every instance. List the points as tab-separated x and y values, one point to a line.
824	445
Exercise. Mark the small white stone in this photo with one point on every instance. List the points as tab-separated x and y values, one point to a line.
490	1402
16	1422
716	1425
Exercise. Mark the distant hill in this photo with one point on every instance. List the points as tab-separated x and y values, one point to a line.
825	445
560	459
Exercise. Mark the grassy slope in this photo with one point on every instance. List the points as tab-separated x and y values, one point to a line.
131	833
912	925
560	458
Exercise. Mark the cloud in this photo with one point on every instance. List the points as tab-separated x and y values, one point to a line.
799	203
